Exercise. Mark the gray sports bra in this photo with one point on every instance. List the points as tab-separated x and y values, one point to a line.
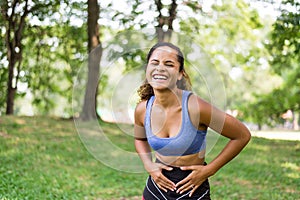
188	141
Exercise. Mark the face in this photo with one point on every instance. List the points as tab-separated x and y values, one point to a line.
163	68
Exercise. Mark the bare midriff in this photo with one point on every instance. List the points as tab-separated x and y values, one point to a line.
186	160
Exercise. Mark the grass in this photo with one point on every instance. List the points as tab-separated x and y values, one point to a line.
44	158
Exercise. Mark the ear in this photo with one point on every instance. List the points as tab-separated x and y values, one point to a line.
180	75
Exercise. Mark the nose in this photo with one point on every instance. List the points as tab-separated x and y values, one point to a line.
160	67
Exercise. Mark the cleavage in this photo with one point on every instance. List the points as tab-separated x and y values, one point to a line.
166	123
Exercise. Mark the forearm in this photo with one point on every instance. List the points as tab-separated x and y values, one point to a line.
234	130
144	151
231	150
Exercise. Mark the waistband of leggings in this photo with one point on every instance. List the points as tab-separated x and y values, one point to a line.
174	167
176	174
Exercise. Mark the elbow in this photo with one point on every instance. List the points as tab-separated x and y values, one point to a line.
247	137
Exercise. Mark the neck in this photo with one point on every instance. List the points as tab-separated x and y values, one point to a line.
168	98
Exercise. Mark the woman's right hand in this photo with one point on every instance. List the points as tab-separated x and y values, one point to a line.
155	171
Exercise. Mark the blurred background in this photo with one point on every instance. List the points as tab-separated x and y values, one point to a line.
66	61
253	45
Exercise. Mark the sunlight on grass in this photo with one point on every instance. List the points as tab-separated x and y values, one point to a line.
44	158
291	166
259	147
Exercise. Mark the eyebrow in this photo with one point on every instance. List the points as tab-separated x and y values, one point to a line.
154	60
168	61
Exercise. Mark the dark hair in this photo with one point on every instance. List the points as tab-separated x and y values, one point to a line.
146	91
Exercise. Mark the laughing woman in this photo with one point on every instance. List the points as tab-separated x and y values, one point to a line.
173	122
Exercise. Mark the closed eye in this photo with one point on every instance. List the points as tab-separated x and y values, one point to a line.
154	62
169	64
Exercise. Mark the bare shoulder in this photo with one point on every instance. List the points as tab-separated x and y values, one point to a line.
196	107
206	114
193	105
197	104
139	113
201	111
140	107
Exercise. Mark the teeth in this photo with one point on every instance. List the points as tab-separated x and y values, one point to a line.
159	77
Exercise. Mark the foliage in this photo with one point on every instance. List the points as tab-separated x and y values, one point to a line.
51	63
3	68
131	46
232	35
284	49
51	57
43	158
284	41
14	15
265	109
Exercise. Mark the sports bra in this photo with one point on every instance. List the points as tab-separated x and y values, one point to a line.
188	141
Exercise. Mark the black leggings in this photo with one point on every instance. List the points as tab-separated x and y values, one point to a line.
153	192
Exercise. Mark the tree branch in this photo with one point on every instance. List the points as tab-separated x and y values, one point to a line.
172	14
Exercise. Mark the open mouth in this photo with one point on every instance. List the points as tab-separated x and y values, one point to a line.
159	77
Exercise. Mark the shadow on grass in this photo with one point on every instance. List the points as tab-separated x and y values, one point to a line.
43	158
265	169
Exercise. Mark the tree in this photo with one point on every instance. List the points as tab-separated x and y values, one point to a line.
165	23
15	19
54	53
229	33
15	23
284	48
95	52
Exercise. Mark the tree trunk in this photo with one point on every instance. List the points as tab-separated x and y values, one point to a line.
163	21
296	121
89	111
10	96
259	126
14	35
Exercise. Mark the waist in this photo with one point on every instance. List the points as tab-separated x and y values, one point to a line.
176	174
178	161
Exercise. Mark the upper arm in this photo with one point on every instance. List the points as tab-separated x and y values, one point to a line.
139	116
220	121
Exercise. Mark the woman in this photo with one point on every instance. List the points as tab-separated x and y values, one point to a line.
173	122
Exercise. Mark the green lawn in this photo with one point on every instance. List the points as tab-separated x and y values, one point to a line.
43	158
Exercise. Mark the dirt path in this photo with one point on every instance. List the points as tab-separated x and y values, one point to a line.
279	135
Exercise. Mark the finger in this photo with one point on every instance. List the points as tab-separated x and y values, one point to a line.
166	167
168	184
185	187
171	188
165	182
187	167
162	188
193	190
183	181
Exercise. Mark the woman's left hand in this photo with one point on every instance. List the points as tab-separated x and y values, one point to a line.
198	175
